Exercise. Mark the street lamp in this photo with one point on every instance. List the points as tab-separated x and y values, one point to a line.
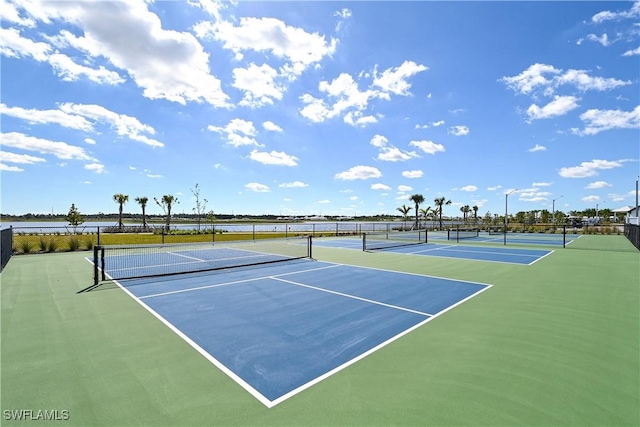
553	211
506	213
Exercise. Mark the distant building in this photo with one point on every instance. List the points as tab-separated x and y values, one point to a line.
631	214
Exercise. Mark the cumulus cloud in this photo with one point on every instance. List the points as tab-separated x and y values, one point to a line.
359	172
597	121
380	186
587	169
270	126
279	158
428	147
459	130
412	174
537	147
560	105
257	187
238	131
294	184
597	184
61	150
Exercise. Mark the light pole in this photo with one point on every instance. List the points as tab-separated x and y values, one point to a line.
506	213
553	211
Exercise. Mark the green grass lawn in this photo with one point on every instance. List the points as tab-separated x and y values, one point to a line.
554	343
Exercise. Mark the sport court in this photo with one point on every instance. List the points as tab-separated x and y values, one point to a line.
412	243
280	327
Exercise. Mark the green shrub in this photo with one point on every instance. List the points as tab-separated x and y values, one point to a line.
25	246
88	243
43	244
53	245
74	243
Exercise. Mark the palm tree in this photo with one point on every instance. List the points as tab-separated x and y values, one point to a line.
440	202
475	214
121	199
166	202
142	201
425	213
465	210
417	199
404	210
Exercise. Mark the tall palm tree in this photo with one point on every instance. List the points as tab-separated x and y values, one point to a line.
475	214
465	210
142	201
425	213
121	199
464	213
440	202
404	210
418	199
166	202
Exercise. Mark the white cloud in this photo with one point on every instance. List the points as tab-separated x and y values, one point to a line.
559	106
359	172
438	123
10	13
256	187
537	147
380	186
70	71
603	40
607	15
270	126
393	80
597	184
154	176
13	45
6	168
412	174
404	188
279	158
494	188
601	120
541	184
166	64
591	199
294	184
125	126
343	13
428	147
632	52
533	195
7	157
459	130
90	141
272	36
547	78
324	202
587	169
258	84
33	116
95	167
469	188
61	150
239	132
356	118
389	152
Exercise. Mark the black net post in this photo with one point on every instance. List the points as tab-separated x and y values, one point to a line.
96	278
364	241
564	236
309	246
104	275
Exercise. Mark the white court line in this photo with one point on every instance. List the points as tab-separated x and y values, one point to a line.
186	256
543	256
353	297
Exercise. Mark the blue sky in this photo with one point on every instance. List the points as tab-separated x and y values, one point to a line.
307	108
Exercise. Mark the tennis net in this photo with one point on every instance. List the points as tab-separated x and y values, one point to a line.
494	231
463	233
373	241
136	261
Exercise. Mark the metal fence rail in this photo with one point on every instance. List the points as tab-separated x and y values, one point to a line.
6	246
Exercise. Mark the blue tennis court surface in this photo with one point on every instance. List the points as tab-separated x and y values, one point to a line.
477	253
279	329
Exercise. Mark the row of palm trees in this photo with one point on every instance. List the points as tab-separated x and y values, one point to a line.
439	202
166	202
